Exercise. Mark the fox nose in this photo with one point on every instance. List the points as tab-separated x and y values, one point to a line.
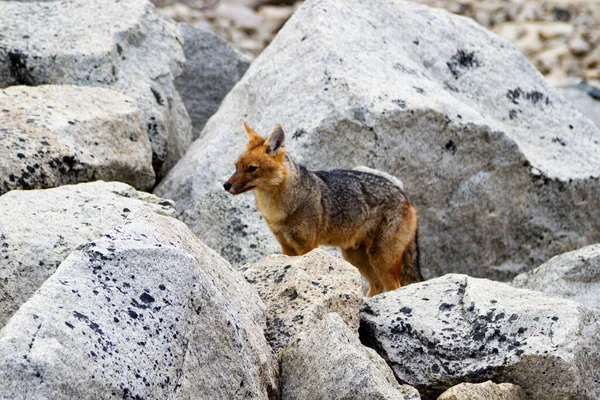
227	186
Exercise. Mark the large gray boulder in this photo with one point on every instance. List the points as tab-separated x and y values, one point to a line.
574	275
301	290
457	329
39	228
327	361
212	68
123	45
54	135
505	172
145	311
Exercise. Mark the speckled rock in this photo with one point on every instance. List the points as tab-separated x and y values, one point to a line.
457	329
327	361
574	275
484	391
145	311
123	45
54	135
39	228
503	171
212	68
298	290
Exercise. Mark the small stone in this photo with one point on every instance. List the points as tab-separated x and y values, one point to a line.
484	391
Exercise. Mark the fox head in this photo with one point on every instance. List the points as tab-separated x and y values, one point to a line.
262	165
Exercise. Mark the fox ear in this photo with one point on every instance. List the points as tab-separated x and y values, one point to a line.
275	140
253	137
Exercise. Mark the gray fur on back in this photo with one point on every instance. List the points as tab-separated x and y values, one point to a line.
393	179
349	196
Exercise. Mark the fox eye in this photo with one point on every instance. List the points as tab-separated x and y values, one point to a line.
252	168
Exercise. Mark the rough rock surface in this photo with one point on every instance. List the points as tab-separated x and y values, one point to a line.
484	391
585	103
39	228
212	68
574	275
54	135
327	361
298	290
504	172
145	311
124	45
458	329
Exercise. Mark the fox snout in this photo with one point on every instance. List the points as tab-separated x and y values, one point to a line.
238	183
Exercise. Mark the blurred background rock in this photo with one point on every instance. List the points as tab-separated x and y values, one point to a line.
560	37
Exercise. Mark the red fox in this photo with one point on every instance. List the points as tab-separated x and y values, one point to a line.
366	214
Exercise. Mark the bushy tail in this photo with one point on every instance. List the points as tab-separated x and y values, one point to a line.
411	263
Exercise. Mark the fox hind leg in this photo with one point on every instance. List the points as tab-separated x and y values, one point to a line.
360	259
394	253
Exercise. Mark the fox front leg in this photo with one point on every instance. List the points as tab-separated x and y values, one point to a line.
297	242
287	249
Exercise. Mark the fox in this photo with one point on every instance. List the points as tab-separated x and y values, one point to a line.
364	212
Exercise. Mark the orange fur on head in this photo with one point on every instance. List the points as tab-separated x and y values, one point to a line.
262	165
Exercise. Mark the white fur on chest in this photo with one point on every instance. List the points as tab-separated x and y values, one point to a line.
272	209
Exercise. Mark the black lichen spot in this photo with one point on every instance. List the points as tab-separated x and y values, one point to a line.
554	318
399	103
514	95
69	160
534	96
69	325
146	298
157	96
559	141
119	49
512	114
126	209
132	314
461	61
451	147
21	155
80	316
293	294
446	307
162	287
406	310
299	133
